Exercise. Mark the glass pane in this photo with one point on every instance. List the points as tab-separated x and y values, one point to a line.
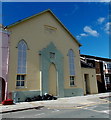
22	77
19	70
19	46
23	70
18	77
24	53
72	77
71	82
22	47
22	83
71	62
18	83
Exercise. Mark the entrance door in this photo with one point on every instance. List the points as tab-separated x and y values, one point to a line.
2	89
87	86
53	80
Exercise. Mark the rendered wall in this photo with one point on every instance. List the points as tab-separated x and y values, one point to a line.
73	92
37	34
22	95
92	85
4	54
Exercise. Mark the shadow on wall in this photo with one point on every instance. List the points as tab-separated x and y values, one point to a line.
2	89
101	88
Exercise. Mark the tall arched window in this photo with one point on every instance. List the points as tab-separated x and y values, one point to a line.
21	70
71	66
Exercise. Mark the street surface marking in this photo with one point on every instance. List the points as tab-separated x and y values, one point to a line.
74	107
106	111
39	114
105	100
56	110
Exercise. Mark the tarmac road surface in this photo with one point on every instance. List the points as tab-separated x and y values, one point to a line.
90	111
90	106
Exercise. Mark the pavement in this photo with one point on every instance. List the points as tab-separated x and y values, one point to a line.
63	103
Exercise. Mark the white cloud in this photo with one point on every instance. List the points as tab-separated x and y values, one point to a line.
55	1
78	36
90	31
107	28
83	34
105	1
101	20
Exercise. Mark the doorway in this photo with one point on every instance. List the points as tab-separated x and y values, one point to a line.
53	80
87	85
52	71
2	89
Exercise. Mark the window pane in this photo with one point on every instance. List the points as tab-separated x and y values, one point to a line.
18	77
72	82
22	83
72	77
18	83
23	70
71	62
22	47
22	77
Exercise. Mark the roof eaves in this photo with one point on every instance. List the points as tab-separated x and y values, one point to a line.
65	27
96	57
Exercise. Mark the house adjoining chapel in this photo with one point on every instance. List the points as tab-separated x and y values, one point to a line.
44	58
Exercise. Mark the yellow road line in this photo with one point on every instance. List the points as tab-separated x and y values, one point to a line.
105	100
73	107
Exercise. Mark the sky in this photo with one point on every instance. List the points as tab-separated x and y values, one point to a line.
88	22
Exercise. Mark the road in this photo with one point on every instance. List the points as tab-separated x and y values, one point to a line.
89	111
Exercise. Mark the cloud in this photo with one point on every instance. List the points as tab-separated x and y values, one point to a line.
90	31
78	36
101	20
81	35
107	28
105	1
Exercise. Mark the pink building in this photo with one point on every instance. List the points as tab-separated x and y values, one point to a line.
4	56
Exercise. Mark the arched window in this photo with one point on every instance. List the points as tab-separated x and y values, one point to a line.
71	66
21	70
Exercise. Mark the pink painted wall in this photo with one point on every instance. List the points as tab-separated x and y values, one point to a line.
4	48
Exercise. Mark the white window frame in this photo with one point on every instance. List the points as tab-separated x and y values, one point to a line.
22	65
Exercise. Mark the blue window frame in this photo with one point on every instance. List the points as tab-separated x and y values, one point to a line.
71	67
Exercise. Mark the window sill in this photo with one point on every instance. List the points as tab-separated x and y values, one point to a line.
73	85
21	87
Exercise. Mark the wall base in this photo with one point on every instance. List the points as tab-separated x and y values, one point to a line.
73	92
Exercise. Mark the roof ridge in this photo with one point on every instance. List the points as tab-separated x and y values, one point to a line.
47	10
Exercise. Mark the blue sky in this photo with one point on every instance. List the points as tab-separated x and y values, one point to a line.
87	21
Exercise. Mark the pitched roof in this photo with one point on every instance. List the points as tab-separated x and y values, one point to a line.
48	10
95	57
